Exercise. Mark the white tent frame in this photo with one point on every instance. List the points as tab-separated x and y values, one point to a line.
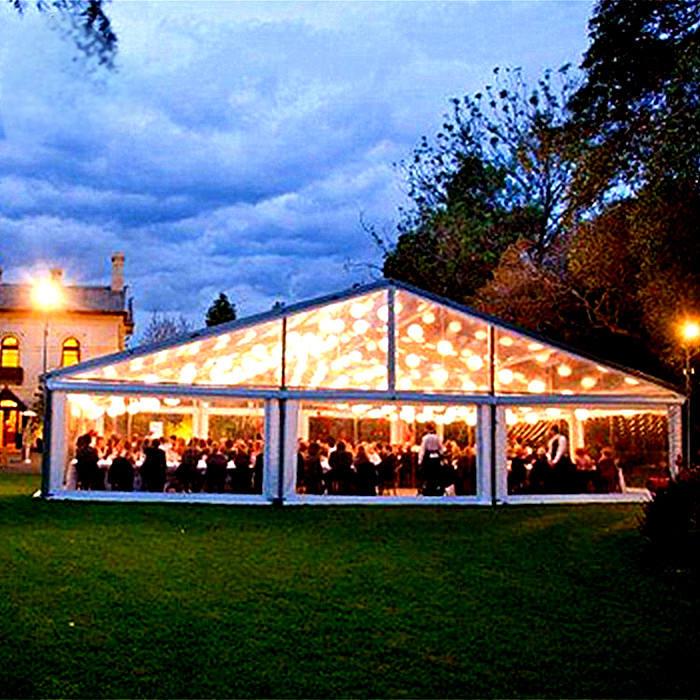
282	405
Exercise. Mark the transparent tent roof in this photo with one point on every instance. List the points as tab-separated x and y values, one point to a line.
344	343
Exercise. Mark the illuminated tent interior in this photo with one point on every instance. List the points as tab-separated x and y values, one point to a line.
373	365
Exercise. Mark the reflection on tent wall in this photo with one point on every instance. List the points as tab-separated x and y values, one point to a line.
384	343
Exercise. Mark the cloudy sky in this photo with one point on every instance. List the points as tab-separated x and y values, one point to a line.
237	145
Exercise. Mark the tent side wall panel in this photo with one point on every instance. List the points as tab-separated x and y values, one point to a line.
484	454
58	446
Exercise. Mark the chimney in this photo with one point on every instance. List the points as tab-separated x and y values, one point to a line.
118	272
56	275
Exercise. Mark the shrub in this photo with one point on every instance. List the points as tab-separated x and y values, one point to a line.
671	522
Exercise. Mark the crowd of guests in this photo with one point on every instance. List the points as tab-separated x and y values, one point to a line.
549	468
327	466
166	464
368	468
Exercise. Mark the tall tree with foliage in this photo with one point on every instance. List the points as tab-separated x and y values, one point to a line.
638	110
637	115
497	172
220	311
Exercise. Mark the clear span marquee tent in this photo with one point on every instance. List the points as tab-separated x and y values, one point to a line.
375	365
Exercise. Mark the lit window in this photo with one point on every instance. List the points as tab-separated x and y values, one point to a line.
9	352
71	352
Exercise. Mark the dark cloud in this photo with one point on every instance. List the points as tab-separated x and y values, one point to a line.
237	144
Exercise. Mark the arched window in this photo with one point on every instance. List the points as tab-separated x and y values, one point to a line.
71	352
9	352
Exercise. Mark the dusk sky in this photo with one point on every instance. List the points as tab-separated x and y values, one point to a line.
236	145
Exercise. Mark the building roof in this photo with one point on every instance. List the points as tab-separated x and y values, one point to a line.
9	396
342	342
18	297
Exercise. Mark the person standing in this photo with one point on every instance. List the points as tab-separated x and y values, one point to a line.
560	462
430	461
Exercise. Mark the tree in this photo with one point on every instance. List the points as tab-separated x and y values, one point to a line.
528	294
516	132
84	21
163	327
496	173
220	311
637	115
638	109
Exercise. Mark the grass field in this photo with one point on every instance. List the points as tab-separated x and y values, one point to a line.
115	600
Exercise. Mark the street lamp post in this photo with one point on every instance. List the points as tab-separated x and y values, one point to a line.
690	334
47	296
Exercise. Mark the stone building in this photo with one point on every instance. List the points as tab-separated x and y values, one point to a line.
83	322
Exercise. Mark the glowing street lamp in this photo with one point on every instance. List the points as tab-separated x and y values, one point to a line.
47	296
689	332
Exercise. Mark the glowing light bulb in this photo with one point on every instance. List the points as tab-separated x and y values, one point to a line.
588	382
481	335
412	360
454	326
415	332
582	413
564	370
222	342
360	327
383	313
357	310
536	386
475	363
188	373
511	418
444	347
505	376
505	341
428	317
535	347
150	403
439	375
631	381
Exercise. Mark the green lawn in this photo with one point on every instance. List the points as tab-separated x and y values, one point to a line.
111	600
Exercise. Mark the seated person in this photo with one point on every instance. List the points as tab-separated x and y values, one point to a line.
541	474
215	475
313	471
366	479
608	481
517	476
187	474
121	471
